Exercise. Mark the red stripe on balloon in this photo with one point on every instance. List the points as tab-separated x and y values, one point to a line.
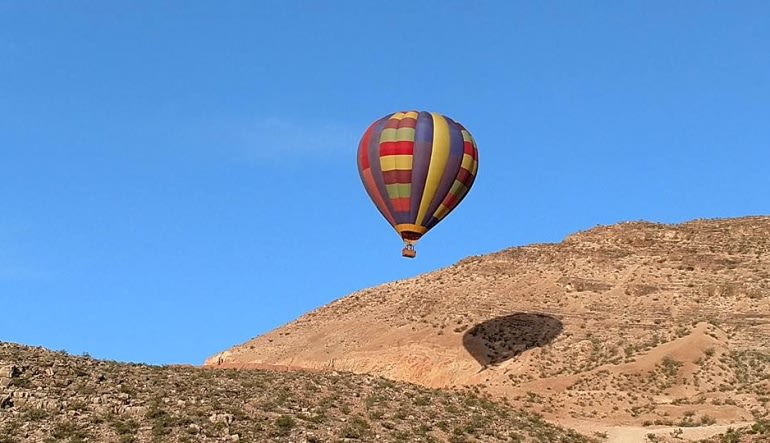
450	201
408	122
371	188
363	148
464	176
400	204
396	148
397	176
468	148
392	123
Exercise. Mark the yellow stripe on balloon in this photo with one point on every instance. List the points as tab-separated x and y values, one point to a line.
475	160
441	211
467	162
438	160
387	163
396	162
403	162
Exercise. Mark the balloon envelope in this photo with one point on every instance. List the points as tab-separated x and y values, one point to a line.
416	167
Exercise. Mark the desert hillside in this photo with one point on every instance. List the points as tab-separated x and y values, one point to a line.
53	397
637	328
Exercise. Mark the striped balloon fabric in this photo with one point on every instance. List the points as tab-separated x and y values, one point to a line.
416	167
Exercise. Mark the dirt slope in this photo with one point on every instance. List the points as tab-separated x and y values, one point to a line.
636	324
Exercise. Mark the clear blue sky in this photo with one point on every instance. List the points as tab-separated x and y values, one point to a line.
178	177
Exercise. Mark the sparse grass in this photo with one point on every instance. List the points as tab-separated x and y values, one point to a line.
140	403
285	423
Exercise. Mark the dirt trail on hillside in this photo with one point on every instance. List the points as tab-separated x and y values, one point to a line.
638	434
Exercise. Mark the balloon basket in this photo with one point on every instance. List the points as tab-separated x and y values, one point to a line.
408	252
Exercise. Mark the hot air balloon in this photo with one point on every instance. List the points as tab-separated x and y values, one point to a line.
416	167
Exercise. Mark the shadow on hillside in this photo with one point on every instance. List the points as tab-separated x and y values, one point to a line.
503	338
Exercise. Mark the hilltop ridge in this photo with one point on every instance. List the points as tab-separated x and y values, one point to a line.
634	324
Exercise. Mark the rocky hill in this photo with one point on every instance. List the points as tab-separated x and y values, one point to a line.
635	328
53	397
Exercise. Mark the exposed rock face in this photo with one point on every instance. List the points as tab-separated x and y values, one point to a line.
7	373
55	397
636	323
